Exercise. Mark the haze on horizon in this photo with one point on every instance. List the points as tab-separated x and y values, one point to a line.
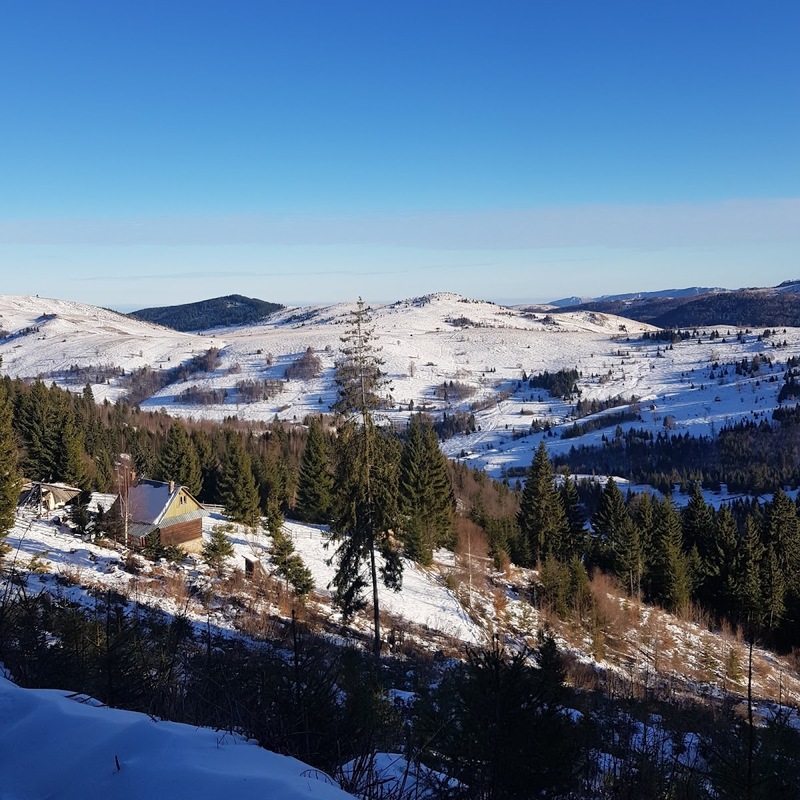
307	152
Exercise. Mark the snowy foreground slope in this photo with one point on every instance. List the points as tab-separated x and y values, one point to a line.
483	348
57	744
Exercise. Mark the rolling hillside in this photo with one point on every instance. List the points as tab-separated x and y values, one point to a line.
443	353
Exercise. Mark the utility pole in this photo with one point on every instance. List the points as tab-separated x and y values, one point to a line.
123	469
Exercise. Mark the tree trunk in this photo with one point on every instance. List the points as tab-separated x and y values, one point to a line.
376	612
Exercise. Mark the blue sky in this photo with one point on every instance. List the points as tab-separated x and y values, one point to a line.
161	152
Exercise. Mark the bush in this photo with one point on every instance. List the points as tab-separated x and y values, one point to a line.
219	548
305	367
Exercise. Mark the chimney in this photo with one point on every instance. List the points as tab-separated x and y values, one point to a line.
171	487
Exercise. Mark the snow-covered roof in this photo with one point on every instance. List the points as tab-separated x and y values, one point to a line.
148	502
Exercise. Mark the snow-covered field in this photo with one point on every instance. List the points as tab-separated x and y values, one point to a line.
424	342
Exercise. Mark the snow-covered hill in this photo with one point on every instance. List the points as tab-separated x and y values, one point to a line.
483	348
59	744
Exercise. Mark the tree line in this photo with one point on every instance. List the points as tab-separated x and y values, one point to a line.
754	456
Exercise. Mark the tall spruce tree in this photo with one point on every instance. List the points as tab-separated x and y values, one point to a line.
288	563
669	579
746	576
315	488
541	519
609	518
237	487
628	558
37	424
9	474
178	460
775	587
727	535
782	533
697	520
642	512
366	512
576	539
427	502
69	456
204	449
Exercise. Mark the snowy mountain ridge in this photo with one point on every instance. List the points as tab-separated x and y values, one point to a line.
691	291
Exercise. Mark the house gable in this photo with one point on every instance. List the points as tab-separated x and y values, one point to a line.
180	503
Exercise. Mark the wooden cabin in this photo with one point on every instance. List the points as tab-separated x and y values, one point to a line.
163	509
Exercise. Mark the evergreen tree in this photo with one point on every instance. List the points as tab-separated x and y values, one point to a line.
36	422
576	537
427	502
609	518
727	536
9	474
79	513
272	480
670	579
699	532
782	534
626	547
273	517
141	448
495	726
69	456
365	515
237	487
774	583
206	458
218	548
178	460
366	512
542	520
288	564
746	576
359	376
315	489
642	513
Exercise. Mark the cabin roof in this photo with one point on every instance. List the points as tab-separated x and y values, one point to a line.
149	501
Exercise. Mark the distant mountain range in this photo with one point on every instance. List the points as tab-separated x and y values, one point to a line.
672	294
698	306
219	312
694	306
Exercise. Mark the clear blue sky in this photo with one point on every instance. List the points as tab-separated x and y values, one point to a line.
161	151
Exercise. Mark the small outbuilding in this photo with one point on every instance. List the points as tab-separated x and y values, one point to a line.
163	510
45	498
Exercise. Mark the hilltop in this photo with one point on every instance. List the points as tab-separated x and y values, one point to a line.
219	312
